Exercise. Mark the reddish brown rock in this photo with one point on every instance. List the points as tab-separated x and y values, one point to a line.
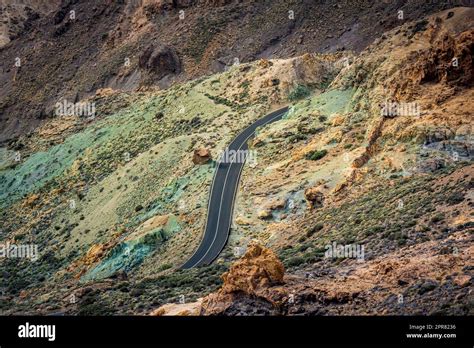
178	309
257	269
252	275
201	156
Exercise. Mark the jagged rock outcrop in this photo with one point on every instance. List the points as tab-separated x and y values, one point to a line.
258	269
18	16
249	277
449	61
246	283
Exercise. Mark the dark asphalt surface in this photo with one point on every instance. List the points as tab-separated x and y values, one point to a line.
222	196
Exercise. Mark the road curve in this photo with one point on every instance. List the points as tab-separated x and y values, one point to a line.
222	196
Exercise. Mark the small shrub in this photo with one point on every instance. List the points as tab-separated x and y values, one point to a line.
420	26
245	84
299	92
296	137
295	261
302	239
165	267
437	218
310	258
316	155
455	198
304	247
374	229
314	229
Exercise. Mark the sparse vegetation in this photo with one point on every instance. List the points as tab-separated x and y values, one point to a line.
316	155
299	92
316	228
140	192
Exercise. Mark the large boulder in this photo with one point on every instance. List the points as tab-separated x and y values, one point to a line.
201	156
259	268
251	278
253	282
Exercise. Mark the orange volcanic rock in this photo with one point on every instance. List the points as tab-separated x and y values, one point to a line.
178	309
95	253
201	156
257	269
251	276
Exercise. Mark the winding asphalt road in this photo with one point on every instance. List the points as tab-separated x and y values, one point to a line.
222	195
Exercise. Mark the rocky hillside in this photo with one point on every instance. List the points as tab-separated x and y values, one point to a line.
67	50
397	191
359	201
17	17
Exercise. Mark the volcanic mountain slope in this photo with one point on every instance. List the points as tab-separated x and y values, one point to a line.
116	204
69	49
401	188
16	17
119	195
